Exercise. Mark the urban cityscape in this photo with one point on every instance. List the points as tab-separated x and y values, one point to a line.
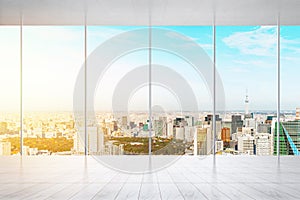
173	133
247	126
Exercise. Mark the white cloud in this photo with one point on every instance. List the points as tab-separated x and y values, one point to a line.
261	41
257	63
291	58
291	45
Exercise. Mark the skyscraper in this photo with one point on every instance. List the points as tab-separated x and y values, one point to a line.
170	129
289	138
205	142
246	144
189	133
208	124
225	134
95	141
236	122
179	134
263	143
124	122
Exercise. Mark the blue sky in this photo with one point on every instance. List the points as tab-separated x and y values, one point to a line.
246	60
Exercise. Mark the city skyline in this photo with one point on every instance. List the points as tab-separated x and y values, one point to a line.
45	133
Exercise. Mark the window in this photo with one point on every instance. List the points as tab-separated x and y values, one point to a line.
52	57
10	90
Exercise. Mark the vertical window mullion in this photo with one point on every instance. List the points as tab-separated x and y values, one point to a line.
278	87
150	78
85	87
21	83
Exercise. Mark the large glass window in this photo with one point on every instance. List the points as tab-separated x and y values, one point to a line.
107	97
247	63
52	57
10	90
181	90
117	90
289	130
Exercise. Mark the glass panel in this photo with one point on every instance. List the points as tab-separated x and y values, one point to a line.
289	131
52	58
10	90
182	72
247	63
117	96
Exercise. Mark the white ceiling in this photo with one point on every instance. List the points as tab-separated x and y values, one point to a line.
136	12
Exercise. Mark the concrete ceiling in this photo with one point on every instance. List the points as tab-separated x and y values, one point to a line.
136	12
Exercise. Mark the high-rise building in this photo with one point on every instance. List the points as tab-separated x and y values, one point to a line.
95	141
225	134
124	122
78	141
179	133
246	144
236	122
170	129
263	143
164	126
5	148
189	133
201	141
264	128
208	123
160	128
189	120
297	114
289	138
204	141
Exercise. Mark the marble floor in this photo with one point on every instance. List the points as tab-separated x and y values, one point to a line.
79	177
